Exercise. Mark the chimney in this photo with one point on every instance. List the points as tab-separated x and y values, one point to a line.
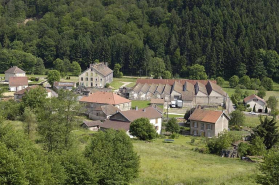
106	64
137	108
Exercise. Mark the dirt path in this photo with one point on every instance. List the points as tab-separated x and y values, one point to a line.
125	84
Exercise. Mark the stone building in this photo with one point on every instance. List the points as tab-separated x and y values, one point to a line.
208	123
14	72
191	92
97	75
94	101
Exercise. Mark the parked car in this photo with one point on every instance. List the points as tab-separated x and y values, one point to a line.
253	113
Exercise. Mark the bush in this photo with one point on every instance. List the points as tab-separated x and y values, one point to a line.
234	81
32	78
174	136
172	126
142	129
107	85
217	144
202	150
243	149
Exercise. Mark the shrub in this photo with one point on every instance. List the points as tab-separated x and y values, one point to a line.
243	149
172	126
107	85
220	81
142	129
174	136
237	118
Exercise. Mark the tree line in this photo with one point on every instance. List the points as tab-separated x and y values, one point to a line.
225	37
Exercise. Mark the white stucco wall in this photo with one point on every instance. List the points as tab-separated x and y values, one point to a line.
221	124
14	89
259	105
158	124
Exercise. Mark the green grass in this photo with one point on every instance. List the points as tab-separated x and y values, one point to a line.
174	163
140	104
118	82
174	116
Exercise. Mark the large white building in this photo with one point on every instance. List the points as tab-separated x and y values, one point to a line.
14	72
97	75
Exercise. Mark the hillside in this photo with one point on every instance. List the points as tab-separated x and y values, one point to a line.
224	36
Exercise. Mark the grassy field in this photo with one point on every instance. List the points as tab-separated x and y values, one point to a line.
140	104
118	82
174	163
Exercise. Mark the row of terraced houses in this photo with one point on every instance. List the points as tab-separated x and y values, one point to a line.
191	92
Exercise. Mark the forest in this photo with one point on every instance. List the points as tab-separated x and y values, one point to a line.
225	37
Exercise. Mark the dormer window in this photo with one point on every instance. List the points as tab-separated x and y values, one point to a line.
81	78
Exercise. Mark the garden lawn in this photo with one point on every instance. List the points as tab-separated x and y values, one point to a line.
118	82
140	104
175	163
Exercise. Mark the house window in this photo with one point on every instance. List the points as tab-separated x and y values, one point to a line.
96	79
97	114
96	85
101	79
202	126
91	84
81	78
195	124
92	70
195	133
91	74
86	74
91	79
156	128
209	127
156	121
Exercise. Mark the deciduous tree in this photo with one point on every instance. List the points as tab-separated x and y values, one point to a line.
142	129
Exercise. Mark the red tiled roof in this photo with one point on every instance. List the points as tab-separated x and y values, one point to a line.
171	81
104	98
209	116
117	125
251	97
14	70
149	112
18	81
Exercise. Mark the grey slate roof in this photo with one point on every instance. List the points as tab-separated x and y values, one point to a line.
14	70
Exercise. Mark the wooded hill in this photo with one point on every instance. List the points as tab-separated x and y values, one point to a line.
224	36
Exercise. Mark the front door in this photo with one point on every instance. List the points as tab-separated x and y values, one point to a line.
208	134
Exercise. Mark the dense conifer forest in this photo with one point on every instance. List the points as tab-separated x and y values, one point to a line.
226	37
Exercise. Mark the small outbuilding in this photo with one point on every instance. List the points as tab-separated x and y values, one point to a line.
255	101
91	125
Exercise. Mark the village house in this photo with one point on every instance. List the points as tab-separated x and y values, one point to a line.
14	72
103	112
208	123
19	94
123	119
18	83
97	99
64	85
255	101
97	75
91	125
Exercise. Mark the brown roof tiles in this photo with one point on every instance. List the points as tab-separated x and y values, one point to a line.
18	81
209	116
251	97
149	112
117	125
104	98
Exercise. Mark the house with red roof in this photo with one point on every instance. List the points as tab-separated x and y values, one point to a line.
255	101
18	83
97	99
208	123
